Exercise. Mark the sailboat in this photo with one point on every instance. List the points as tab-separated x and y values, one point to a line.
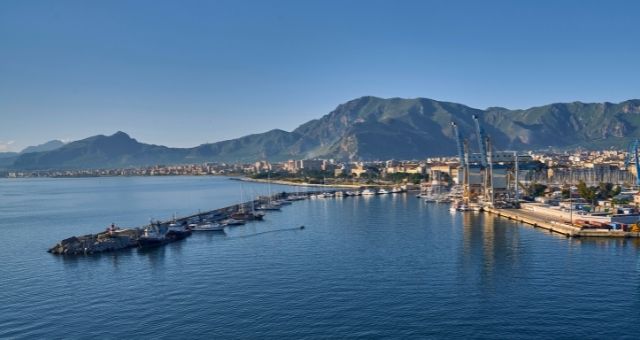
269	205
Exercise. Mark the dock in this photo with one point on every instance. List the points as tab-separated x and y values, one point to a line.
120	239
557	226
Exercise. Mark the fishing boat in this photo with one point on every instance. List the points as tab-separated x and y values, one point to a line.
177	231
152	236
248	215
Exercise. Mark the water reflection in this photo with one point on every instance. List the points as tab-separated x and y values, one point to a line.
490	249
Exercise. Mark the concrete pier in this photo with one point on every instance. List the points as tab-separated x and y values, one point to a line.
107	241
557	226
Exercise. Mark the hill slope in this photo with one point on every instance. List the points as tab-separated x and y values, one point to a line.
371	128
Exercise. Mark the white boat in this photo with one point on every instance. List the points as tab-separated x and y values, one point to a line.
368	192
383	191
208	227
340	194
396	190
327	194
268	206
231	222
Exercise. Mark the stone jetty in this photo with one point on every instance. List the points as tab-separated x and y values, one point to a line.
119	239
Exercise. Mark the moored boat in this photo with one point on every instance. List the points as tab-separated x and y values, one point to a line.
208	227
368	192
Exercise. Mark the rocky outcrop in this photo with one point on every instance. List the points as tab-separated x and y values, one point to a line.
98	243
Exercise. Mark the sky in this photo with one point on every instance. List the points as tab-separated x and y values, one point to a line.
183	73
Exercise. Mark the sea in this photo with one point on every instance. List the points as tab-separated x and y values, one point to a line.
379	267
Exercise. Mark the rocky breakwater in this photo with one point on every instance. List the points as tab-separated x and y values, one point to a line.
98	243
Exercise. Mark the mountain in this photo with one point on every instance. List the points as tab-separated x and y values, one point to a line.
48	146
370	128
117	150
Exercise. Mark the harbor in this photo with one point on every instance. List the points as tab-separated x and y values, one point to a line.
159	233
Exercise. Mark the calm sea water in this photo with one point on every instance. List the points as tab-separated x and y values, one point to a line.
366	267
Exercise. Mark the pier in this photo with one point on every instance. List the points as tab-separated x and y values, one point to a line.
556	225
120	239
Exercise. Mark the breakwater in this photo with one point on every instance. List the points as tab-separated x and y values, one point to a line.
114	239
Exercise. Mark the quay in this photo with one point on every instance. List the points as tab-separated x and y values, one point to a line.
557	225
120	239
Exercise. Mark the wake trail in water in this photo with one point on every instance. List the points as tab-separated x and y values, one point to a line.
267	232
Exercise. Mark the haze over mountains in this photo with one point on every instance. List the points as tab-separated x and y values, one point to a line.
366	128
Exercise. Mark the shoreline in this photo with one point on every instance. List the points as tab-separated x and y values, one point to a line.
302	184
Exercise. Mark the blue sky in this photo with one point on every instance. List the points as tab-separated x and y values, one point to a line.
182	73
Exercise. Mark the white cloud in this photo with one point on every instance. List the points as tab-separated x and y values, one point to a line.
4	147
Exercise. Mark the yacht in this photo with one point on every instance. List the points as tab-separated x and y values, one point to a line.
396	190
383	191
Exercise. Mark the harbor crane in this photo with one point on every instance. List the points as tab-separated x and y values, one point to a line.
481	141
459	143
463	155
633	157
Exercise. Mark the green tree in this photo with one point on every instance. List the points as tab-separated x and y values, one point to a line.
588	193
536	189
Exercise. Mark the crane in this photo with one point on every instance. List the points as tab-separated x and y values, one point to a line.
489	189
481	140
632	156
459	143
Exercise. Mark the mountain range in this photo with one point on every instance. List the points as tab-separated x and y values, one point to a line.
368	128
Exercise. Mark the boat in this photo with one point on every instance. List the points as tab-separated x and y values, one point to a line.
208	227
248	216
464	207
231	222
396	190
339	194
383	191
282	202
152	236
177	232
327	194
368	192
268	206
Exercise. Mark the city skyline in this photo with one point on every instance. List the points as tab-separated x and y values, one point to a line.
181	75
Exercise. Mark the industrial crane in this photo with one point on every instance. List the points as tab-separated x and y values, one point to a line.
481	142
459	143
632	156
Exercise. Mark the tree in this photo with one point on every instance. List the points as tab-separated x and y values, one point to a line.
536	189
588	193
